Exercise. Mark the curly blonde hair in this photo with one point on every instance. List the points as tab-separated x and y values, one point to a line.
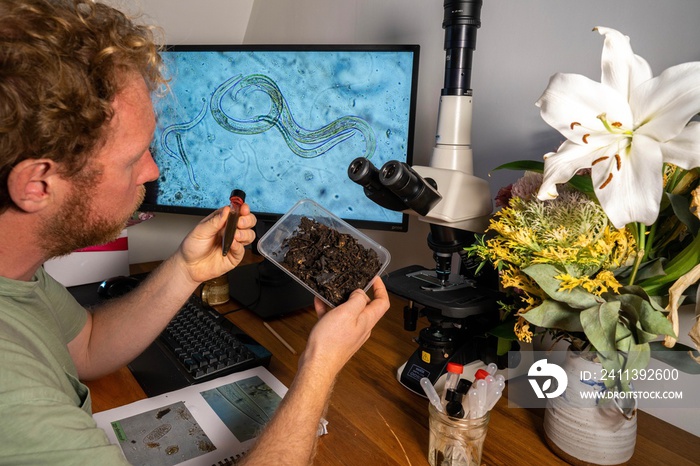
61	64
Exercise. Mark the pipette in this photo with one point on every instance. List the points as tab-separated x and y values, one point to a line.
495	391
473	403
484	393
431	394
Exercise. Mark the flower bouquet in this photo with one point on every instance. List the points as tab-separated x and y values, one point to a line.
598	244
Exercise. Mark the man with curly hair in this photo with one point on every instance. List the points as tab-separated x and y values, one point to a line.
76	121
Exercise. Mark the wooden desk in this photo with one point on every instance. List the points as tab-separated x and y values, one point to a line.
373	420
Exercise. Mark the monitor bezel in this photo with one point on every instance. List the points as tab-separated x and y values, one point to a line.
273	217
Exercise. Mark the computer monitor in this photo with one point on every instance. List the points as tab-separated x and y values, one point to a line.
282	123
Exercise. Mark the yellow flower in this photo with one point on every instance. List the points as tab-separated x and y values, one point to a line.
569	283
695	203
601	283
608	280
522	330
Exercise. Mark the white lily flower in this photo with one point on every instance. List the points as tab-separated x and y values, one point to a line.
623	128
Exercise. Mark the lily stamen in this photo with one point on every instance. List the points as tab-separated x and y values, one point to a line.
610	177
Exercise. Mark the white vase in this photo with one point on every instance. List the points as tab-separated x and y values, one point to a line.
586	431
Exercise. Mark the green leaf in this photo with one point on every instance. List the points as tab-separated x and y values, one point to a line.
681	207
504	330
654	321
544	275
646	270
635	357
623	337
645	316
554	314
613	364
523	165
635	290
582	183
681	264
503	346
638	356
632	290
629	321
599	324
677	357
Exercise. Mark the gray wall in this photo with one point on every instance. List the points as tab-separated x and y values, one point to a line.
520	45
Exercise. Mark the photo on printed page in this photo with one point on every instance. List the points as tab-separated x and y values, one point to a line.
165	436
244	406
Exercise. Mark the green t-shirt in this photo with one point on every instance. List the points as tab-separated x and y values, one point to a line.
45	412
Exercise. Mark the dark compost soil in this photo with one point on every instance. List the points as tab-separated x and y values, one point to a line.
329	262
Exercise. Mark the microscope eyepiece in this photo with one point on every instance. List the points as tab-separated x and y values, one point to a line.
416	192
364	173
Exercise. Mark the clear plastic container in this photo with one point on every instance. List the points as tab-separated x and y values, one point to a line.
273	245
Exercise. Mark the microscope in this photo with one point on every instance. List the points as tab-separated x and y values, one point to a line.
459	305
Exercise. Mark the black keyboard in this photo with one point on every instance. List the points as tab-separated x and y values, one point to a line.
199	344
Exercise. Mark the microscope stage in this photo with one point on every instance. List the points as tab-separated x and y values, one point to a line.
460	298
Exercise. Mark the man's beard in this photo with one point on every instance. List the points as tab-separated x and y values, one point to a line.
77	226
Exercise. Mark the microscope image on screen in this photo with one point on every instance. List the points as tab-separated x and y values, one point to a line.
239	93
280	124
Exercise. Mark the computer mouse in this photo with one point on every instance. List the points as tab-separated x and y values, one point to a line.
116	286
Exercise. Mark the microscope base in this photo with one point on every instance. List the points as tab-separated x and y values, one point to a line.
416	368
519	362
439	384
